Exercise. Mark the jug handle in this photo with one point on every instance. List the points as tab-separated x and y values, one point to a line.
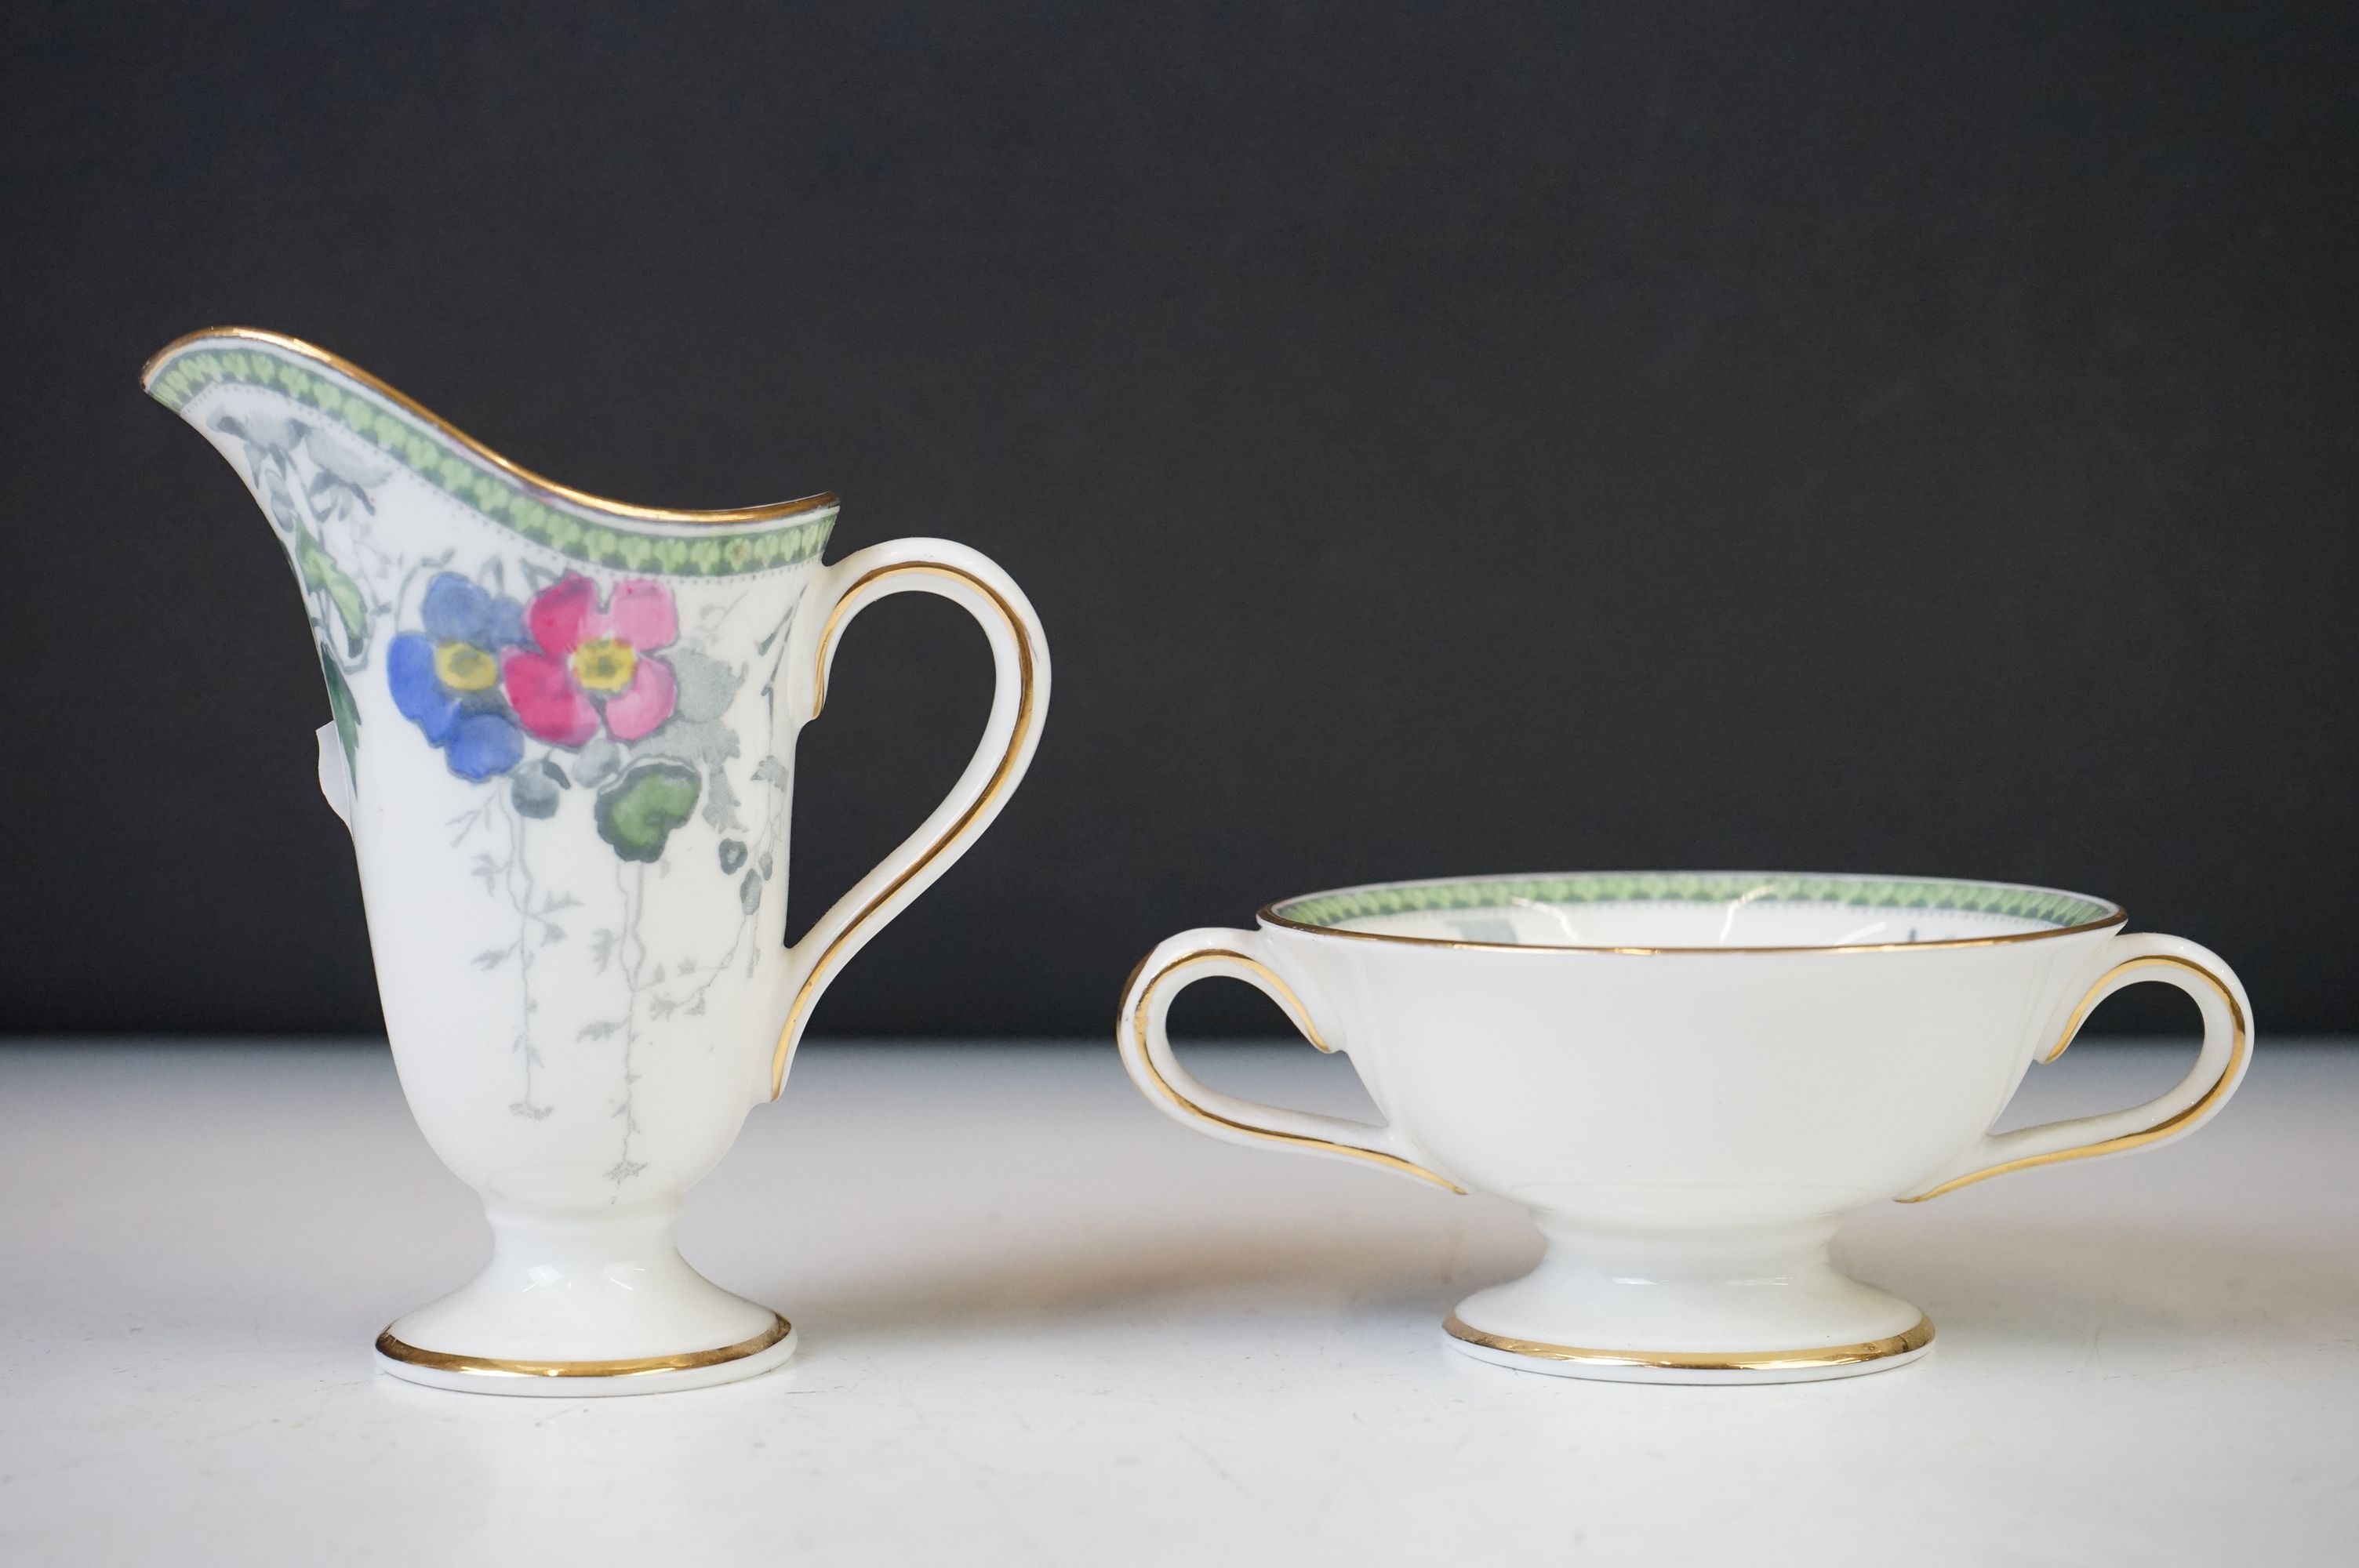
1201	954
2128	959
1019	703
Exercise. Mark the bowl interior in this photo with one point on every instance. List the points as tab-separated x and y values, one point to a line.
1699	909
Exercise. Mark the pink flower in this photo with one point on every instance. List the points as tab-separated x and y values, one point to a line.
592	661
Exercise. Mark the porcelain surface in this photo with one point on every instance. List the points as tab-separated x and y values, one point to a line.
1688	1080
563	739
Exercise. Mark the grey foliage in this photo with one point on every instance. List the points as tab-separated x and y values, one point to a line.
270	441
345	459
279	501
281	434
720	804
749	892
691	740
534	792
599	760
733	855
705	685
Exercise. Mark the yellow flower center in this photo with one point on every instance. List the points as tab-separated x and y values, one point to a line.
606	663
464	667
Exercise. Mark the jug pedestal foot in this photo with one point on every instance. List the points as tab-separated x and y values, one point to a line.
1752	1306
575	1305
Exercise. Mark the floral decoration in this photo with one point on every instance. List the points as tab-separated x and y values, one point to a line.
595	664
586	678
446	678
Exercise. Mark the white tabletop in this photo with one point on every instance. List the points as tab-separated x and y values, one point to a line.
1040	1324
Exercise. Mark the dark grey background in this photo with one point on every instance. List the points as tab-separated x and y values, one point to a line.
1439	438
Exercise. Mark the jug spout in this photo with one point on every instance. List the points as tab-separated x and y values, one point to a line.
371	494
304	473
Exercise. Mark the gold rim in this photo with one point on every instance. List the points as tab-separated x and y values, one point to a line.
1000	780
496	1367
408	405
1267	915
1268	979
1903	1343
2240	1046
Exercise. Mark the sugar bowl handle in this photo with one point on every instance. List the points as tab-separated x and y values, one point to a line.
2129	959
1204	954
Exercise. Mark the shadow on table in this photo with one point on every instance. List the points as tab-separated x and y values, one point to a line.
2065	1285
2073	1285
1028	1290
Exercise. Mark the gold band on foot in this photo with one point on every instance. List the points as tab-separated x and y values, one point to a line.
1902	1343
495	1366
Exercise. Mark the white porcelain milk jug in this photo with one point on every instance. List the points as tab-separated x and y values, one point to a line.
565	737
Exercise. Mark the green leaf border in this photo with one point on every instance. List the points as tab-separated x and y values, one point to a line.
2057	909
728	550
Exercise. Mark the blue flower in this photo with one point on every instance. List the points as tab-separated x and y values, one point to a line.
446	679
456	610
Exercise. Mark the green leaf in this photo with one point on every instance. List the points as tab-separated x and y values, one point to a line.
321	575
347	714
637	815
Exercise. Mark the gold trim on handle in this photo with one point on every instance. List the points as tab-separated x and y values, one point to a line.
992	791
2239	1046
1906	1343
517	471
394	1349
1268	979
